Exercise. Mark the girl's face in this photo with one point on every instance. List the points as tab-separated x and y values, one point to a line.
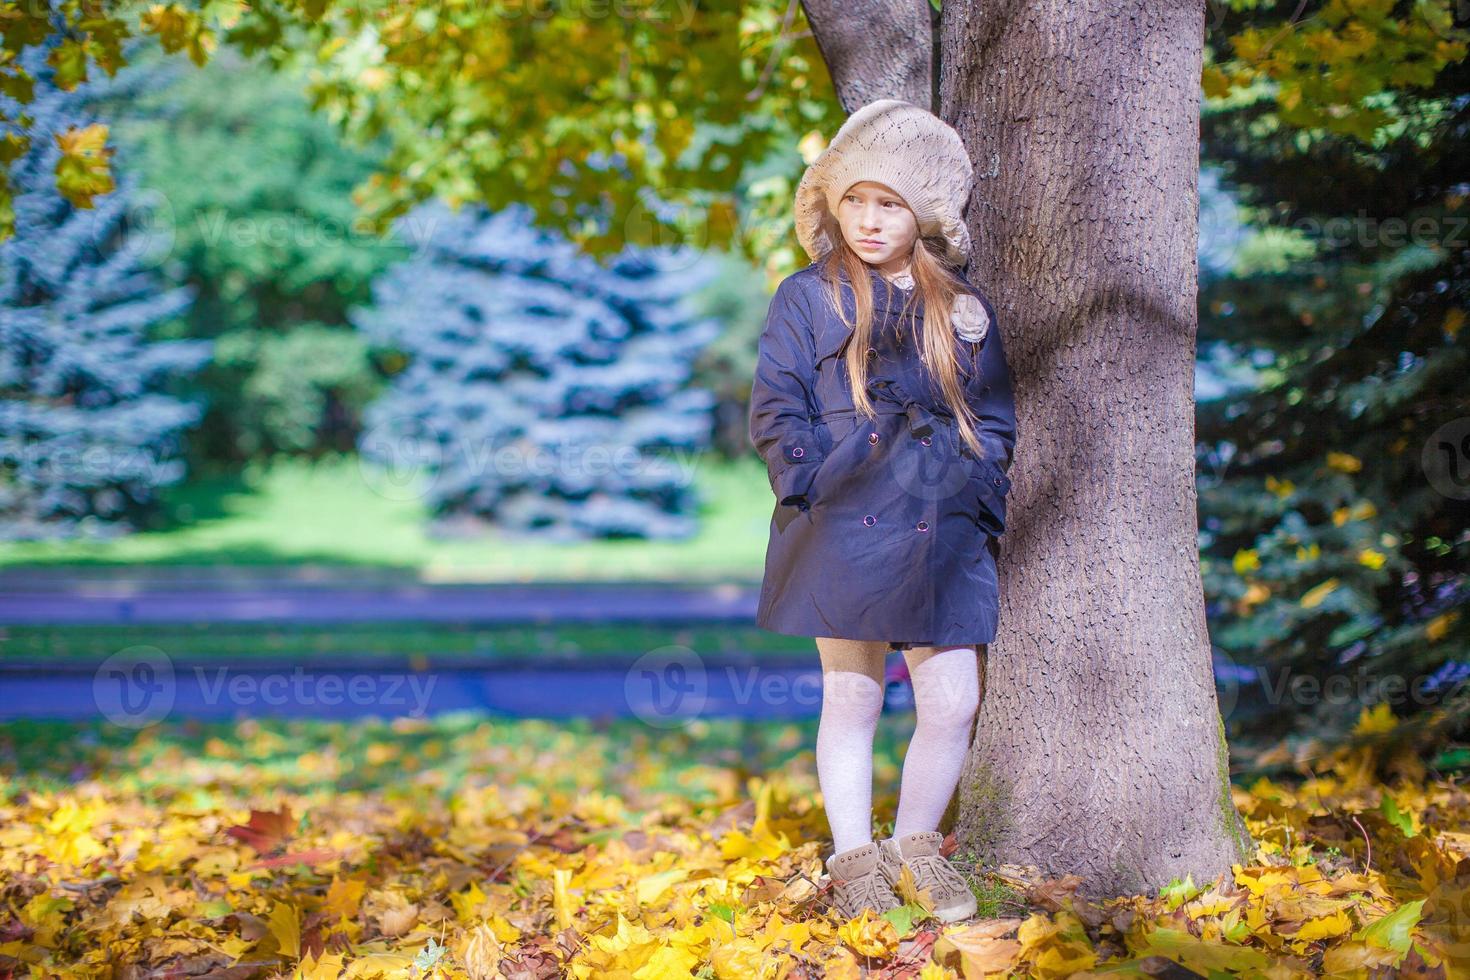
878	225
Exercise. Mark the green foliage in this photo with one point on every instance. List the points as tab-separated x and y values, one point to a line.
644	124
627	125
1333	495
252	206
304	391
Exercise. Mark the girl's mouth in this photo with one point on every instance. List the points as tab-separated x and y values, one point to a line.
869	243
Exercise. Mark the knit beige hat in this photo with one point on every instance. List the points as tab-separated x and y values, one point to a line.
905	147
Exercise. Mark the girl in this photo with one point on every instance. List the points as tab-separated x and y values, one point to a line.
882	407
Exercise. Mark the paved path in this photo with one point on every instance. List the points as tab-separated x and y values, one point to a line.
92	602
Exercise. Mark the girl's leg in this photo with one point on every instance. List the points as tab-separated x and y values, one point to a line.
852	700
946	696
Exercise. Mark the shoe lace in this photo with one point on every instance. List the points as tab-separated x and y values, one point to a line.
871	889
938	869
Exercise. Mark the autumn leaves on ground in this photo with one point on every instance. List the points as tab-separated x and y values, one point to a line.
468	847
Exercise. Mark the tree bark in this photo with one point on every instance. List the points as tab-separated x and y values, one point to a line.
875	49
1099	748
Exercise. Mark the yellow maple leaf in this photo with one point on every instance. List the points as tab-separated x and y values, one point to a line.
1375	720
869	936
1055	947
67	837
285	924
739	959
344	896
651	887
907	888
329	967
378	964
84	169
985	947
668	963
626	936
1337	924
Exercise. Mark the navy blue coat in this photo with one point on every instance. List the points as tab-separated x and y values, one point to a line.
883	529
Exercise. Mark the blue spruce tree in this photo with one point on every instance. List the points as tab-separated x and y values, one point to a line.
88	431
542	392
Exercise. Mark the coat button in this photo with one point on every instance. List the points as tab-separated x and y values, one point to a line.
872	352
870	520
997	481
872	438
922	526
798	452
926	440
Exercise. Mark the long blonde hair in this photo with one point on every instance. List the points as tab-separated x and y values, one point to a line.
935	339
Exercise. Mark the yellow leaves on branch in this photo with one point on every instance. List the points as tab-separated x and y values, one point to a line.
85	169
1332	70
181	29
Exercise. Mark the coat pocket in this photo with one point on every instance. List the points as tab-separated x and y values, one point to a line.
841	433
991	485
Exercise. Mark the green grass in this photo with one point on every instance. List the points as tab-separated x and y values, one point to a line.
334	512
245	641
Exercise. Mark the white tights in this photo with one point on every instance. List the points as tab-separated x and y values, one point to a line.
946	696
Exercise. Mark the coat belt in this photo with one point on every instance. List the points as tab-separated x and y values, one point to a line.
894	399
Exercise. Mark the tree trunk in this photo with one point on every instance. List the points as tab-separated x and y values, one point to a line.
1099	748
875	49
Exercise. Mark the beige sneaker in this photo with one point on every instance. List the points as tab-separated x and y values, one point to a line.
953	899
858	882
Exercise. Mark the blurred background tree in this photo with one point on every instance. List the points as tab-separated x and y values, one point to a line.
540	390
90	428
1336	544
253	206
